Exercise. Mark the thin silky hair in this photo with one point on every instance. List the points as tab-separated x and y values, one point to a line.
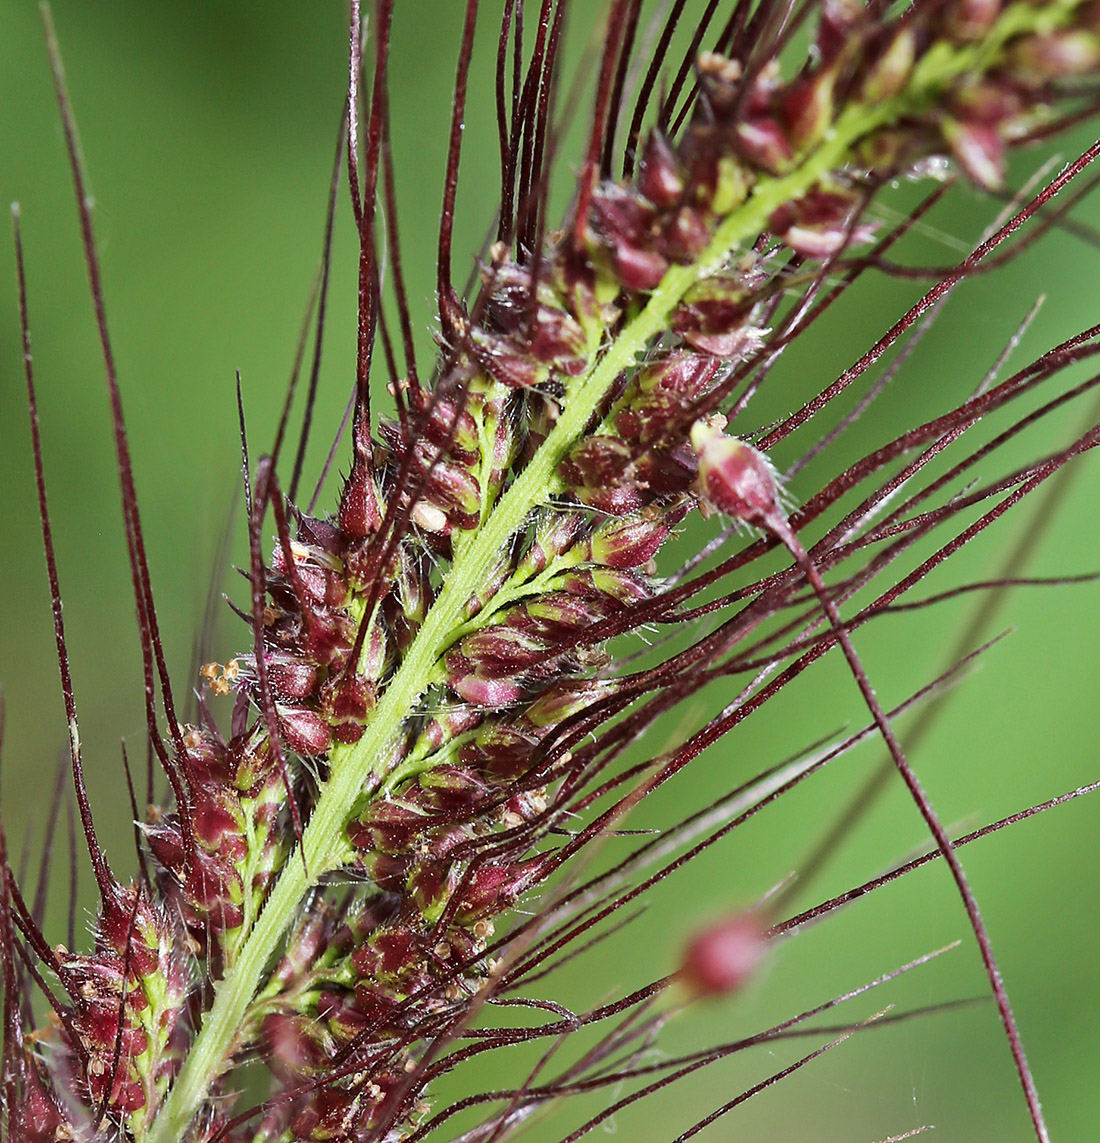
408	834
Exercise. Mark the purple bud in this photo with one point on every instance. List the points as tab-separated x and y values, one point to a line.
492	888
598	470
639	269
359	514
346	1018
558	340
304	730
979	149
487	693
808	108
405	607
713	316
721	958
454	487
997	103
622	221
294	1045
629	543
890	72
840	20
562	609
659	177
451	789
681	372
309	940
686	234
564	700
37	1116
818	225
293	678
624	586
495	651
346	703
735	477
389	955
503	752
763	142
496	575
432	885
555	533
447	724
217	820
328	638
389	872
445	424
388	826
507	362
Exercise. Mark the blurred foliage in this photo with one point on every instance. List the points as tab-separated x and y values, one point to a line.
209	132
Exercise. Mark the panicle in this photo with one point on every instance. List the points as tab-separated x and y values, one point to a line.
460	669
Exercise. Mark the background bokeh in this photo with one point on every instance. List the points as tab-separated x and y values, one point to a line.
209	130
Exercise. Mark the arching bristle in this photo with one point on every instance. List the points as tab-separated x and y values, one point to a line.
319	331
152	649
447	298
103	875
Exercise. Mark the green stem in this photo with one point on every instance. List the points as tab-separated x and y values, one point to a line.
324	845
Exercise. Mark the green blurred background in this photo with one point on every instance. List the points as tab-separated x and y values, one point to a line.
209	131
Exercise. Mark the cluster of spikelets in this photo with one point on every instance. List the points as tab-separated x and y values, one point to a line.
455	804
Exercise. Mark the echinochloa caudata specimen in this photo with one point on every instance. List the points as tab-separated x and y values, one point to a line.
605	714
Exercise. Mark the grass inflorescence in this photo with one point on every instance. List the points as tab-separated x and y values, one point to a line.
372	868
